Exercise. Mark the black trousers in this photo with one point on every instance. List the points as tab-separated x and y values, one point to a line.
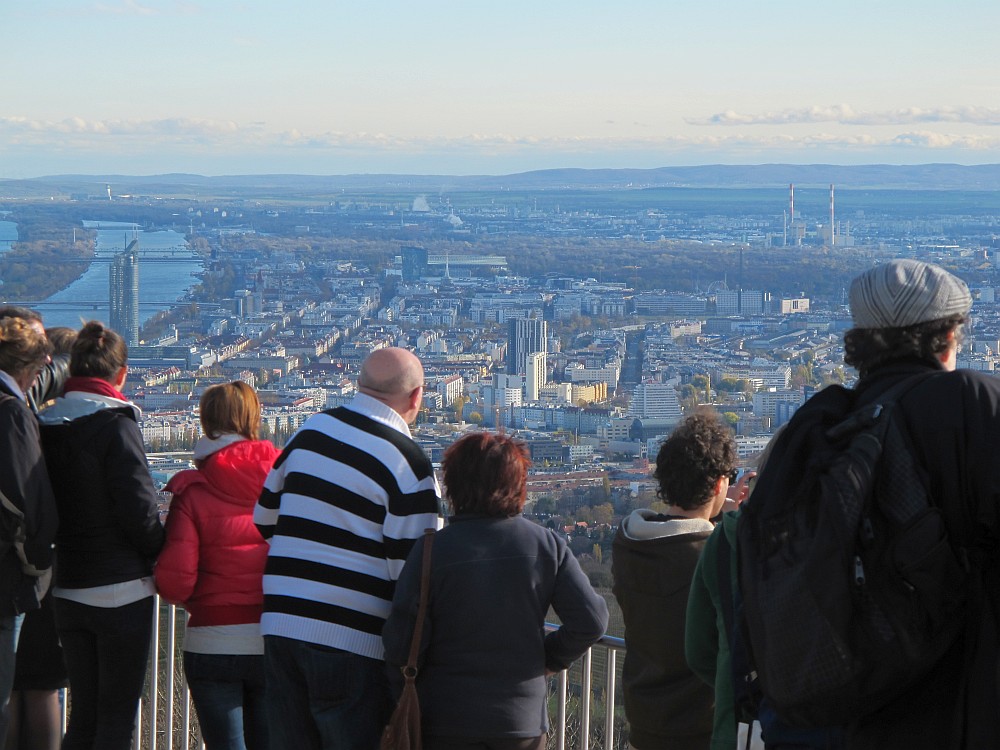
107	653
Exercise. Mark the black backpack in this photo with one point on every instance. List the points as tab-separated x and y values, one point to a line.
850	587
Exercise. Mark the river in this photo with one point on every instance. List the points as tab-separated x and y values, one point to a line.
8	235
168	269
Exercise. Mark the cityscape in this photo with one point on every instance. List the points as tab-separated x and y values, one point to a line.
586	321
584	314
615	232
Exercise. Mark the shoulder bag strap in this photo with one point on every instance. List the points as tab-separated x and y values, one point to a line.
410	671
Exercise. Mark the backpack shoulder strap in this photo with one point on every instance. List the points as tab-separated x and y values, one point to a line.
900	388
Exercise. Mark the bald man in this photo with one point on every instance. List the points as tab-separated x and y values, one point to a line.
345	501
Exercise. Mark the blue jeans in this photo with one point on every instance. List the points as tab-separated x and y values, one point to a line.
228	694
323	698
106	651
10	630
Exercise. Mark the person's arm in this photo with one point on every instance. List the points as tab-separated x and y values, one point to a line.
397	635
135	502
265	513
410	511
24	481
701	633
582	612
49	382
176	569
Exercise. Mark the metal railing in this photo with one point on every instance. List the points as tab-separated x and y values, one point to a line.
164	718
165	721
573	729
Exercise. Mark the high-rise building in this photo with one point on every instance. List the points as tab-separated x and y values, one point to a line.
534	375
655	401
123	293
742	302
414	263
524	336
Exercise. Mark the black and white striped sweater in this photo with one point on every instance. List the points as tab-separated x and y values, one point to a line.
342	507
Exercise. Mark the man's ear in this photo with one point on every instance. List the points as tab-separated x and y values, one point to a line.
718	486
951	349
415	397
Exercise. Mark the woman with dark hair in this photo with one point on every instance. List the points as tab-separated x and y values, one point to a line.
484	655
213	564
109	536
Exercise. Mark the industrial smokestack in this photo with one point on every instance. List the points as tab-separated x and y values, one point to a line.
791	212
833	239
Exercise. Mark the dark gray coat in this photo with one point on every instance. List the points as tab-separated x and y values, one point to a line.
484	649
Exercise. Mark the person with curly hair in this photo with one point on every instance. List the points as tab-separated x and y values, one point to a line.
654	558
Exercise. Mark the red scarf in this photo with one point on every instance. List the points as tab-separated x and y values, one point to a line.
93	385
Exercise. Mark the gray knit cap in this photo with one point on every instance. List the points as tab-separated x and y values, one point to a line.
905	292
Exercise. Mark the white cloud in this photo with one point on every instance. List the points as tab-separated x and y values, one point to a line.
126	8
194	136
27	129
844	114
143	9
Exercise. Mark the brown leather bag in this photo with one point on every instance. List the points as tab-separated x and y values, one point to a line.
403	730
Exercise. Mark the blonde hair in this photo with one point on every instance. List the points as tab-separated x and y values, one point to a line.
230	408
22	347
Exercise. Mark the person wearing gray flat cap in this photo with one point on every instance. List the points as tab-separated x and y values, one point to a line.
908	318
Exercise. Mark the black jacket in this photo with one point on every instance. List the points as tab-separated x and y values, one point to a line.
109	530
484	650
49	382
953	420
24	482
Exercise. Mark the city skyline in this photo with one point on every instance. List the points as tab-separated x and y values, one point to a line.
162	86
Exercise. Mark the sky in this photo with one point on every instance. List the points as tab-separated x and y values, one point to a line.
219	87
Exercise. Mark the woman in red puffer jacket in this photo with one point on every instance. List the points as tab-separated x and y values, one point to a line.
213	565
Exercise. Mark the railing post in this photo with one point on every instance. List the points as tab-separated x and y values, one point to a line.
171	658
154	682
137	734
561	730
609	701
585	701
185	702
186	716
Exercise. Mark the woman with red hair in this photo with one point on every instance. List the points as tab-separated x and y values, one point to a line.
484	655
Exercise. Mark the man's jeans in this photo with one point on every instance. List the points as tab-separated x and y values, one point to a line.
10	631
323	698
228	694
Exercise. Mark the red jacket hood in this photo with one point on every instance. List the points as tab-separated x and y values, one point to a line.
235	472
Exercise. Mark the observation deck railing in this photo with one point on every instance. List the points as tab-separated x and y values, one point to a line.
168	722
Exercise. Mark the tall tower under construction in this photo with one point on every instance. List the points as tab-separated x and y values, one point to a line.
123	293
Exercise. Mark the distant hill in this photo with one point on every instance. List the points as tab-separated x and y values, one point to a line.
871	176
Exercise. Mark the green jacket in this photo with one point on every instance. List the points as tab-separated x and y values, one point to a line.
706	645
